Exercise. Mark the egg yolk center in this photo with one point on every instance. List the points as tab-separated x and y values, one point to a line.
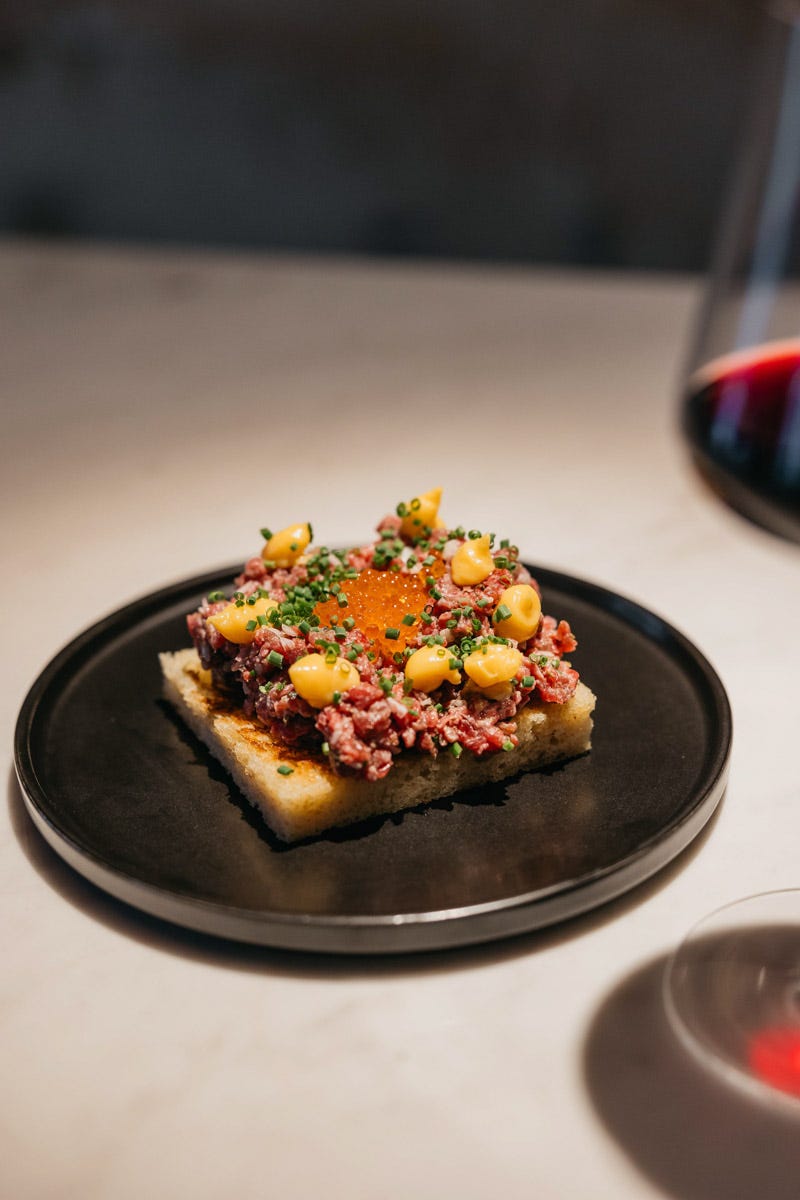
377	601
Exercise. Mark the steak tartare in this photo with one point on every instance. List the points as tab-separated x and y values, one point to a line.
425	639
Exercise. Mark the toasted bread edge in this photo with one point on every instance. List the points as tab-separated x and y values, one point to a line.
310	798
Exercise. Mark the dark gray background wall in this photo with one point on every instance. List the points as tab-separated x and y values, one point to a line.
582	131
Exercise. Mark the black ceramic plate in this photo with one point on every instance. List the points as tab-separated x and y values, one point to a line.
136	804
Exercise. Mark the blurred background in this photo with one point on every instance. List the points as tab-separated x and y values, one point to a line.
593	132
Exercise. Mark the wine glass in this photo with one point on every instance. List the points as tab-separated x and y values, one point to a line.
732	992
741	409
732	988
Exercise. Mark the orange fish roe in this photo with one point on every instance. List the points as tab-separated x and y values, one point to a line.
377	601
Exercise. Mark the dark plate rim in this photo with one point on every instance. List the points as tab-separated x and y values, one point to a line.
233	921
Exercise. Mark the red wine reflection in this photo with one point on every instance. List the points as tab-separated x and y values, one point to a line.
774	1058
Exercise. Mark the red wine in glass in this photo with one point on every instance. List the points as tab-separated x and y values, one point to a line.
742	420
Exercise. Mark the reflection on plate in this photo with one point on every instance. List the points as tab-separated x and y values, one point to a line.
131	800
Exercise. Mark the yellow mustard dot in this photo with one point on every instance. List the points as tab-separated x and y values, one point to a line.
492	664
429	667
232	621
317	680
525	609
285	547
422	514
472	562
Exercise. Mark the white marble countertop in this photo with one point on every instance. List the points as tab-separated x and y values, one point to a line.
139	1059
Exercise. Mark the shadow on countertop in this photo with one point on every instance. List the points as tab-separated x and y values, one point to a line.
692	1135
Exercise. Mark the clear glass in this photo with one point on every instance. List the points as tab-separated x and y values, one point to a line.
732	993
741	405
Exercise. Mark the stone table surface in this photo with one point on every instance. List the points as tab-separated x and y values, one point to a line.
158	408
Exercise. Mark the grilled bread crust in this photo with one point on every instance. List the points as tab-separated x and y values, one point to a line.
312	799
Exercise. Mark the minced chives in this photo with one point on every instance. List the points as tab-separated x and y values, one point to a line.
215	596
284	770
527	681
352	654
501	561
508	745
325	748
251	625
474	534
426	618
342	600
408	619
502	612
456	749
392	634
275	659
266	534
348	623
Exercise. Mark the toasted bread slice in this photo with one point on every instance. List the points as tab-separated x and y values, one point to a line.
312	798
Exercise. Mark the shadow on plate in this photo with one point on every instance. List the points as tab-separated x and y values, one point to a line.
695	1137
174	939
